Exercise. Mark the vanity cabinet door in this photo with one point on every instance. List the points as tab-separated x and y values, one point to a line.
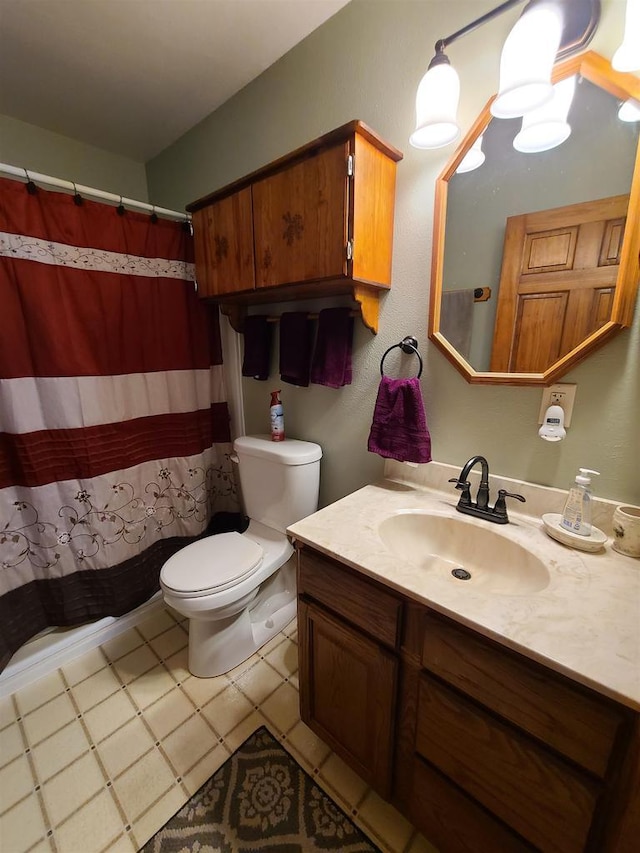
300	221
543	798
347	693
452	821
223	245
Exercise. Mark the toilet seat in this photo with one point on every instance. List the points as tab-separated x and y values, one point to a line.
211	565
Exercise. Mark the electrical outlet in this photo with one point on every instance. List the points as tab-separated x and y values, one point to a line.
558	395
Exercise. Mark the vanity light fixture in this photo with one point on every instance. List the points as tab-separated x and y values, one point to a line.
527	61
629	110
437	104
627	56
547	30
547	126
473	158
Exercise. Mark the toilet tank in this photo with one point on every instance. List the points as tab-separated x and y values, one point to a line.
279	479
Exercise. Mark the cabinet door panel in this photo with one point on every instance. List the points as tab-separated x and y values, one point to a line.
549	257
348	594
542	798
577	723
300	221
454	822
223	245
347	693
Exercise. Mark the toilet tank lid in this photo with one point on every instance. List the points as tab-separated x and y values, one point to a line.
291	451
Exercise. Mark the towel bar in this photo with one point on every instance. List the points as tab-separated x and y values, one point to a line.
408	345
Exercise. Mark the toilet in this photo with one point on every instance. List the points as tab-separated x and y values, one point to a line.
238	590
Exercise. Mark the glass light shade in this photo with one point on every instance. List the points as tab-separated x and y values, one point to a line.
547	127
436	108
527	61
473	158
630	110
627	56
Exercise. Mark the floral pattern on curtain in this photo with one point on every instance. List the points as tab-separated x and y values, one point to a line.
114	429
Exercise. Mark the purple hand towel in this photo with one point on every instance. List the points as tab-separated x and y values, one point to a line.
257	347
399	428
331	363
295	347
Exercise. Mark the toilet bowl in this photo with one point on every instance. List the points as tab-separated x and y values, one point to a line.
239	589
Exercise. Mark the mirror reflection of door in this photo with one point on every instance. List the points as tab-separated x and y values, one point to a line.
597	161
558	277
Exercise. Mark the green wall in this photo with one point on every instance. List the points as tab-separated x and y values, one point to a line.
40	150
366	63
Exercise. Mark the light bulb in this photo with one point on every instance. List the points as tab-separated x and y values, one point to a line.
547	127
627	56
473	158
629	110
527	61
436	106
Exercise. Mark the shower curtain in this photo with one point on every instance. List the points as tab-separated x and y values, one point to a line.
114	430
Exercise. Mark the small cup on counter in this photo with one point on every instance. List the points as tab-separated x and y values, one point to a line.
626	530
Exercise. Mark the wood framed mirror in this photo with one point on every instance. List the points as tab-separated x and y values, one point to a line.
535	259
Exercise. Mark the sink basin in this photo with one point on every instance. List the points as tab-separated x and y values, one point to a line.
440	545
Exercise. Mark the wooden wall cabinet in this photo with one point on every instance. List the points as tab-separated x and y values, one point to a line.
317	222
480	747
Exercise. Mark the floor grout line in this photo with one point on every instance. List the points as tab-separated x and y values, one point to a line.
262	675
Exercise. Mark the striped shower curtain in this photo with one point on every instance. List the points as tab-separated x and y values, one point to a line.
114	429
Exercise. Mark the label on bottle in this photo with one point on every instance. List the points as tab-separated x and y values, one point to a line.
573	516
277	422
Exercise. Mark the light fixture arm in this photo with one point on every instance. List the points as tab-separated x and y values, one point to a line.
580	24
441	44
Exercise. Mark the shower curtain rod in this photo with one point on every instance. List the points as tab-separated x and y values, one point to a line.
20	172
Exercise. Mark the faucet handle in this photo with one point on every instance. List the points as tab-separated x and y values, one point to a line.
500	507
465	488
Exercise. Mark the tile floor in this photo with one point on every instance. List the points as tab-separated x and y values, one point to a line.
98	755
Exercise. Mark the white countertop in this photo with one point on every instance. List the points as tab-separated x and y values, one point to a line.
584	624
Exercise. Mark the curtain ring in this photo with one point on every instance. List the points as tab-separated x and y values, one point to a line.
120	209
77	198
32	189
154	215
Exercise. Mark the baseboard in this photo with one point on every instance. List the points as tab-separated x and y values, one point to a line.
27	665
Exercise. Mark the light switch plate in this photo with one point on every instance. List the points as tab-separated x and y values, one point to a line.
558	395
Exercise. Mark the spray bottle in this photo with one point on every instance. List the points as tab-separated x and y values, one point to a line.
277	417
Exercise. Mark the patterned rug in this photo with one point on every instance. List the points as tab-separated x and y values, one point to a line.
259	800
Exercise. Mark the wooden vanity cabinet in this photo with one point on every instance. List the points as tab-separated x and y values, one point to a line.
348	630
317	222
481	748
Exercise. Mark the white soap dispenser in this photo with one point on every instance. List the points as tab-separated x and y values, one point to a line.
576	515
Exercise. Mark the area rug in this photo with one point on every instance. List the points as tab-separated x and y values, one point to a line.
259	800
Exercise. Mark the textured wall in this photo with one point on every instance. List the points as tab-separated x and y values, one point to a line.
40	150
366	63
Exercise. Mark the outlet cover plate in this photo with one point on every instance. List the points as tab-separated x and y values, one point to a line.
560	395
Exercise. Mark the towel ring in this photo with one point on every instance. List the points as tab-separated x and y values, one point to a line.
408	345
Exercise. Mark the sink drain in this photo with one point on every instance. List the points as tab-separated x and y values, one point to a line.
461	574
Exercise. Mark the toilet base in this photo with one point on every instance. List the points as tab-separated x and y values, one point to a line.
218	645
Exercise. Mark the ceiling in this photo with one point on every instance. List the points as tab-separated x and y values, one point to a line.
131	76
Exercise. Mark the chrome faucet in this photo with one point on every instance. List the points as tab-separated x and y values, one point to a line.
481	508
